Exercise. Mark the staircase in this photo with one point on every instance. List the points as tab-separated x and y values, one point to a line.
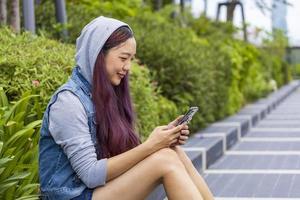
265	163
254	154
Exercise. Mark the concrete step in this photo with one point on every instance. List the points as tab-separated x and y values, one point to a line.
209	147
268	144
272	134
254	185
253	161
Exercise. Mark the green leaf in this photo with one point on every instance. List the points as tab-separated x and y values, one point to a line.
17	106
10	123
34	124
28	189
18	177
3	98
5	186
29	197
1	145
4	161
22	133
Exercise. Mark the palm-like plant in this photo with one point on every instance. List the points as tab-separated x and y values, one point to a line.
19	128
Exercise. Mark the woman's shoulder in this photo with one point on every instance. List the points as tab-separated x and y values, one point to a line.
67	102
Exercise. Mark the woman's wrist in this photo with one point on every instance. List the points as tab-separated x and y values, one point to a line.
149	147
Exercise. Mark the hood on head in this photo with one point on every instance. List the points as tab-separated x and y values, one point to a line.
90	42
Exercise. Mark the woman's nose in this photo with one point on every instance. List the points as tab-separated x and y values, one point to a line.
127	66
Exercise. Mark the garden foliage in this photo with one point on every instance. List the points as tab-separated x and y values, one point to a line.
41	65
19	133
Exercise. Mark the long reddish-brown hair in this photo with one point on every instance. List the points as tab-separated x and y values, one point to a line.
115	118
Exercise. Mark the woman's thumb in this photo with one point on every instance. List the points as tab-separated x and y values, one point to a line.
174	123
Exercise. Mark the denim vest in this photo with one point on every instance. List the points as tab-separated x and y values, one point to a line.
57	178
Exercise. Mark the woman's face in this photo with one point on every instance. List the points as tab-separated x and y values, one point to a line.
118	60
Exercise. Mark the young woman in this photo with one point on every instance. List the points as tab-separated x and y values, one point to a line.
88	147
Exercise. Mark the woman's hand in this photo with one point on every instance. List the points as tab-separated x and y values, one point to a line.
184	133
164	136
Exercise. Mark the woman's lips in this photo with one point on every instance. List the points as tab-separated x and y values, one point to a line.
121	75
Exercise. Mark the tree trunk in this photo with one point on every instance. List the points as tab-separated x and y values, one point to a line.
230	9
182	5
205	8
15	16
157	5
3	12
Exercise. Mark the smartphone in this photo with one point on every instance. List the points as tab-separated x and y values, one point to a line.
188	116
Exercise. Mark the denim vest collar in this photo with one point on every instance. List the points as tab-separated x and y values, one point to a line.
79	79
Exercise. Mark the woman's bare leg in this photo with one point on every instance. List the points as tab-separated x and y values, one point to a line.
163	166
195	176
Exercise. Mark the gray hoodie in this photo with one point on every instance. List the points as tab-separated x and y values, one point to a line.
70	134
91	41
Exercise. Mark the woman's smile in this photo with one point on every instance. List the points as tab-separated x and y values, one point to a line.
121	75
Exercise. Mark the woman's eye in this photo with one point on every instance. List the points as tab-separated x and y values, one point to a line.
123	58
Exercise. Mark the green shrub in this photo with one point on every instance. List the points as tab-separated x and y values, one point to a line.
80	12
192	70
217	32
28	62
204	66
273	56
248	81
47	64
153	109
19	134
251	68
296	70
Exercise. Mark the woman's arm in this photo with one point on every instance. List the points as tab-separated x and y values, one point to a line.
68	125
119	164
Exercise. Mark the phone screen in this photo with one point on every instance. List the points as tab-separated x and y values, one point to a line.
188	116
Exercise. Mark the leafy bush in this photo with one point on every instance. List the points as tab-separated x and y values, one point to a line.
28	62
273	56
19	134
153	109
47	64
190	70
248	81
203	65
80	12
256	67
296	70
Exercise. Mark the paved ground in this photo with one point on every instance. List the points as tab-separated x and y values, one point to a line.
265	164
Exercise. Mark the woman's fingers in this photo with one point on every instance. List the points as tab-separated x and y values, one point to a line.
174	122
176	129
183	137
174	141
186	127
185	132
163	127
181	142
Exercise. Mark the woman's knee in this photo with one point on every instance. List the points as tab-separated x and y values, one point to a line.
166	159
182	155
